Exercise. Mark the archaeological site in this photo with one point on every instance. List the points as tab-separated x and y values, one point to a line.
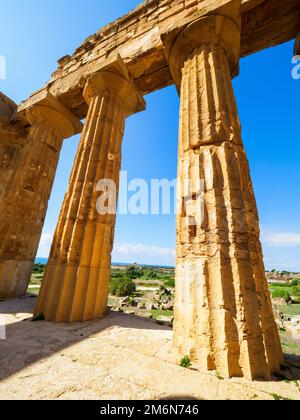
223	315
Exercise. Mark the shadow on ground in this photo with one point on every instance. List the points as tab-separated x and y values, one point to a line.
28	342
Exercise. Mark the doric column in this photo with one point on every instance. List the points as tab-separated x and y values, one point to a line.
75	287
12	140
223	312
23	209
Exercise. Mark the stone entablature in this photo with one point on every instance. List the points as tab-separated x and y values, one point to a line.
136	37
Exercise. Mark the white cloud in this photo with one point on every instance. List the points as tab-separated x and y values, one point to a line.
45	245
123	252
283	239
143	254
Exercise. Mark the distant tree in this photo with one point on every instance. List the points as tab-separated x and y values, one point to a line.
134	272
285	273
151	274
38	268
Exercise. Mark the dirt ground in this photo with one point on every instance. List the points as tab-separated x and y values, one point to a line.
119	357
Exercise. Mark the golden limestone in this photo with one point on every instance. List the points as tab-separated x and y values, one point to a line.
23	209
223	313
76	281
12	141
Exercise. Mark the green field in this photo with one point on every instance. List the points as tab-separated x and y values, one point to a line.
156	313
290	310
289	346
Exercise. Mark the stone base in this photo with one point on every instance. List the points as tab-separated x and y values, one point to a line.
82	296
14	278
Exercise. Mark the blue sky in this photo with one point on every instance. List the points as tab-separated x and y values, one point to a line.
34	34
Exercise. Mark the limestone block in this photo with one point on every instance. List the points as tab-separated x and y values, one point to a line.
136	36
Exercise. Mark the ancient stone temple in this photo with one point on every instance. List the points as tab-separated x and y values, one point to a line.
223	313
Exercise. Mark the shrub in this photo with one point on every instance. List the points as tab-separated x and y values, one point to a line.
122	287
295	291
295	282
40	317
281	293
134	272
38	268
170	282
185	362
150	274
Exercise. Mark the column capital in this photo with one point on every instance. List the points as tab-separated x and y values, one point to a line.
221	29
114	77
44	108
7	108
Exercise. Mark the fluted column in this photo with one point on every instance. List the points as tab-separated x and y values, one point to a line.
24	208
223	312
75	287
12	140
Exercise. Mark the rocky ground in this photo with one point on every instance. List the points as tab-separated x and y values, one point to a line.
120	357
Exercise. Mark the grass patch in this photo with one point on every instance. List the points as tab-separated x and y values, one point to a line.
146	284
289	346
219	376
170	282
36	279
290	310
156	313
280	285
34	291
277	397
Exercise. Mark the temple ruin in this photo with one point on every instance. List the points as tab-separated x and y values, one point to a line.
223	312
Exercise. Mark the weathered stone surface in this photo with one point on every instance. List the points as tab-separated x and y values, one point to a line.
223	313
7	108
119	357
76	282
23	208
136	37
12	140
